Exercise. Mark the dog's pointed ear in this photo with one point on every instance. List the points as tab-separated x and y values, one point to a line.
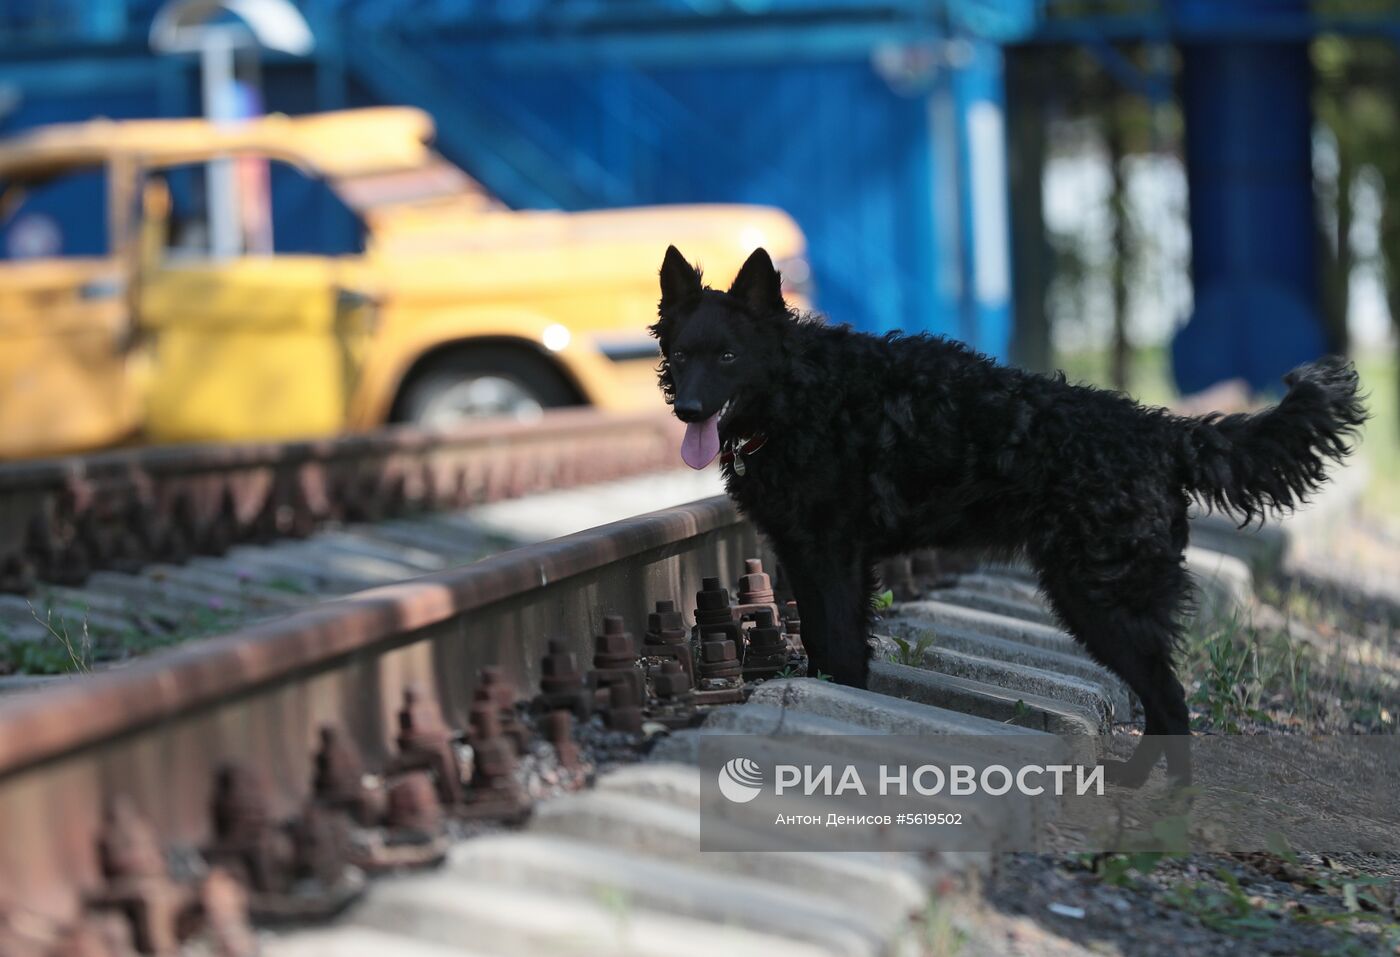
679	280
758	285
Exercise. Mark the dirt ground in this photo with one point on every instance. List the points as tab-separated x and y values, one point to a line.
1318	653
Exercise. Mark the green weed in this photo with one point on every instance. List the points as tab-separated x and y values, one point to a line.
910	653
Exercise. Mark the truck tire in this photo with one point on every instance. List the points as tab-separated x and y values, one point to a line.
490	382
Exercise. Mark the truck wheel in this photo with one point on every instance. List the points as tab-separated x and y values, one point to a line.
482	383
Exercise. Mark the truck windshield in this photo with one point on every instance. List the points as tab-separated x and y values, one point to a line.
65	216
280	209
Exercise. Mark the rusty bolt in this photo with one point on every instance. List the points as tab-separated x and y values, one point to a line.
562	684
717	651
247	839
240	805
321	846
559	668
615	658
493	761
494	686
712	597
137	880
414	805
755	587
420	721
668	637
426	742
559	729
485	720
615	648
493	679
493	766
339	770
719	658
792	627
665	626
767	652
623	712
714	615
766	619
671	682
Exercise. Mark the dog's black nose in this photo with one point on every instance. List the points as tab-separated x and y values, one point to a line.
687	409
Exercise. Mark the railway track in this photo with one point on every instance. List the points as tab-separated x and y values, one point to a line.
260	775
113	555
61	520
56	631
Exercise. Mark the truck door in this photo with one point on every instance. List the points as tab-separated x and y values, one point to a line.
69	373
266	344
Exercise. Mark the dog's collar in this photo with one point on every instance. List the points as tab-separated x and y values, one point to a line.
736	449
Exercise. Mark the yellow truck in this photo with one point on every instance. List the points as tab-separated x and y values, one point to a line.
454	307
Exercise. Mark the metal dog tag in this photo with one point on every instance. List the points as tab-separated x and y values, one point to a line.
739	468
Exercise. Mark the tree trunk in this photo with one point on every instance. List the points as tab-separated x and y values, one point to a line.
1121	357
1390	252
1027	70
1336	285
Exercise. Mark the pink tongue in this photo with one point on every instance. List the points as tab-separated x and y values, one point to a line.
701	442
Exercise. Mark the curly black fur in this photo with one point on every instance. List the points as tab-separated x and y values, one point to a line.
877	446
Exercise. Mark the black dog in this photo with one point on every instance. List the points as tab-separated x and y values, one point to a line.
845	448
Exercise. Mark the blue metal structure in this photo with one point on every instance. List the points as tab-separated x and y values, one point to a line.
876	123
1254	259
584	103
1246	82
643	101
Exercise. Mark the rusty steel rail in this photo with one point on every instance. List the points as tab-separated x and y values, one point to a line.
245	750
62	519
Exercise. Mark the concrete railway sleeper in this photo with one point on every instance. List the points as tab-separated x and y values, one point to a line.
513	743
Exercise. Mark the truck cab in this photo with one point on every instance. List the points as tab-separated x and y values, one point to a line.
439	305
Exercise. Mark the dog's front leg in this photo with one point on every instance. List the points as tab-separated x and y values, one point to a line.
830	591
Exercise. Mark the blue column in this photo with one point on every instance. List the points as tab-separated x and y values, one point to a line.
1249	169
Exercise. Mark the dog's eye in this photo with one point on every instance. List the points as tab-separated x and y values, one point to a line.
727	357
678	358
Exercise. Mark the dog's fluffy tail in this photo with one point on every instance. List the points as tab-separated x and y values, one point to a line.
1271	461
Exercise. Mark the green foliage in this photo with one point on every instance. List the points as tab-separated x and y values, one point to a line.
884	601
910	653
35	658
290	585
61	651
941	936
1116	870
1229	912
1020	711
1238	667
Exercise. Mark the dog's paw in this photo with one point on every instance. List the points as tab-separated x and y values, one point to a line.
1126	774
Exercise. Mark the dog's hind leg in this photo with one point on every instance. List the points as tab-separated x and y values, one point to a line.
1167	723
1136	646
833	597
